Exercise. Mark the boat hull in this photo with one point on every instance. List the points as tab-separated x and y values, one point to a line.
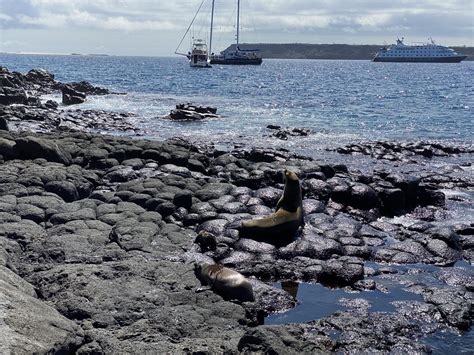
251	61
200	65
454	59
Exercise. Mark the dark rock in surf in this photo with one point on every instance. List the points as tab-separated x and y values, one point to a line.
9	96
71	96
87	88
285	133
192	112
40	76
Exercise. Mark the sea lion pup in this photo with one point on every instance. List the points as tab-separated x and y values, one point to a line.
206	241
280	227
226	282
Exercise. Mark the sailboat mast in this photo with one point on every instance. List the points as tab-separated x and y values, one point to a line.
212	26
238	22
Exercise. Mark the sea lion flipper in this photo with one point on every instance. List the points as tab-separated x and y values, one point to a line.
280	202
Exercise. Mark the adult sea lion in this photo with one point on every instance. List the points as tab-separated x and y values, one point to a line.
224	281
281	226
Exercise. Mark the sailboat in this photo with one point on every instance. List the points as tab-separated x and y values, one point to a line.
234	55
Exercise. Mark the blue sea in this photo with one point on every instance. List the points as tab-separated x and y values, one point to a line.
340	101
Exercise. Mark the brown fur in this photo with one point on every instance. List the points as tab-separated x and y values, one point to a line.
281	226
226	282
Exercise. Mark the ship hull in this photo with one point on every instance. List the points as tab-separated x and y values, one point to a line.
453	59
252	61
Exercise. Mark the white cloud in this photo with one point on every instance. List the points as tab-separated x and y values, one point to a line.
141	15
373	20
5	17
355	21
78	18
47	20
122	23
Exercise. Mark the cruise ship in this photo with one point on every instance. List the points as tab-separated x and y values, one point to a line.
419	53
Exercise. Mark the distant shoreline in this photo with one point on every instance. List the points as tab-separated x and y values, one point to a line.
329	51
290	51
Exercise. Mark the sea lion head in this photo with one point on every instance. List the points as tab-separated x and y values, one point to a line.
205	271
290	176
291	199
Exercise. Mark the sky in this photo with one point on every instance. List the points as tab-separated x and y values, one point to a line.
155	27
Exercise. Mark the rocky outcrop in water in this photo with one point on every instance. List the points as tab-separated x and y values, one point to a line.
192	112
17	88
87	88
21	108
71	96
285	133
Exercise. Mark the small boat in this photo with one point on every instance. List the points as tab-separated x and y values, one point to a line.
199	57
418	53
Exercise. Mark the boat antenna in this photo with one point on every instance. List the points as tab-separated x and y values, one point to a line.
187	31
212	26
238	22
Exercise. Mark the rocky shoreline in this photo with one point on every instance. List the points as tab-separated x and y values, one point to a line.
97	242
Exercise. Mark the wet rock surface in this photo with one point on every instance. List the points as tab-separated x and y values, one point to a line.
285	133
190	112
51	118
102	233
21	107
71	96
394	151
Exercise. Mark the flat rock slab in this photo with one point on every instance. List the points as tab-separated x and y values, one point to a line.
28	325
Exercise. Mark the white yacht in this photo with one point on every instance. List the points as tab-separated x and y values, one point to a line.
419	53
199	57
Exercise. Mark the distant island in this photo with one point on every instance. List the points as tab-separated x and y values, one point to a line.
327	51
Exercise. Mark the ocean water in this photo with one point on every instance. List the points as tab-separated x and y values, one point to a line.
340	101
